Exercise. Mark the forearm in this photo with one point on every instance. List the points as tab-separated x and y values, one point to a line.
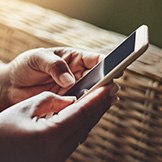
4	84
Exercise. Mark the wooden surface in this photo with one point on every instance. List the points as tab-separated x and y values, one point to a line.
132	129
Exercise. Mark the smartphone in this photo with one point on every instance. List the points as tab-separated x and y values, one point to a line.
113	64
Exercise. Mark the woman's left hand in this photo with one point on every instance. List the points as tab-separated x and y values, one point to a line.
45	69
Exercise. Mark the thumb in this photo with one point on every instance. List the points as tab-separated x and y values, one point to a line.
49	102
55	66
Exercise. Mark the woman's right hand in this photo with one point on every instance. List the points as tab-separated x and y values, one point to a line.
25	135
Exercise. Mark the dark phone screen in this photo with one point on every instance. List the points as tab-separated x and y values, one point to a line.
103	68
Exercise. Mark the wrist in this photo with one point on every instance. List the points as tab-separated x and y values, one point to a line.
4	85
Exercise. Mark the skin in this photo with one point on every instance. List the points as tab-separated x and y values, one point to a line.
40	70
27	137
33	86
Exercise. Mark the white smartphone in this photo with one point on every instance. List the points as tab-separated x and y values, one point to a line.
113	64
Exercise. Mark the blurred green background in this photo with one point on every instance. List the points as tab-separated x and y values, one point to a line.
122	16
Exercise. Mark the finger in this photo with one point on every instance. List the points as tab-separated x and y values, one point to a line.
91	59
48	102
119	75
55	66
85	59
88	59
87	111
78	137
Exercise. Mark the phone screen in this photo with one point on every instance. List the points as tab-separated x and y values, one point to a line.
103	68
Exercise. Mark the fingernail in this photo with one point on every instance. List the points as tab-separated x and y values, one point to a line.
114	89
66	79
49	115
70	98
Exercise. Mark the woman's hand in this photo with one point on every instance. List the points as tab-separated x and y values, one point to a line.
26	136
38	70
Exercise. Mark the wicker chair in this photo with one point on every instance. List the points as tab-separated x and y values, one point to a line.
132	129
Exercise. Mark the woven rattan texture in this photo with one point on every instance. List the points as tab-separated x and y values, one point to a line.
132	129
24	26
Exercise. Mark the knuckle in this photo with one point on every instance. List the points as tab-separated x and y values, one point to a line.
58	65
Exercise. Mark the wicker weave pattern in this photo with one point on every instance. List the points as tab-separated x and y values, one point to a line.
132	129
24	26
